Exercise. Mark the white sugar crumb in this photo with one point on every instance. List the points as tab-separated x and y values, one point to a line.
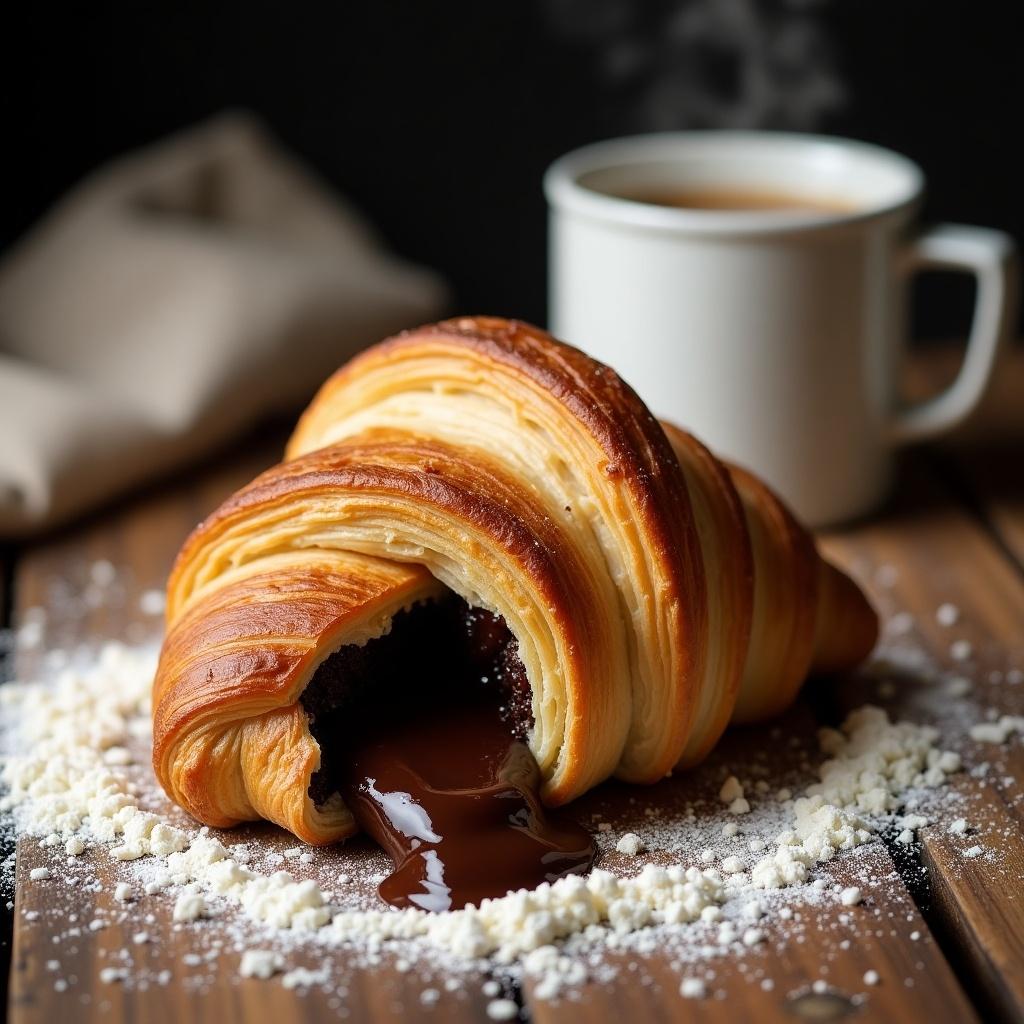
692	988
947	614
152	602
731	790
974	851
117	755
900	624
502	1009
871	978
958	827
189	906
998	731
303	977
730	829
110	975
958	686
752	936
122	892
851	896
754	910
39	874
961	650
102	573
739	806
630	844
260	963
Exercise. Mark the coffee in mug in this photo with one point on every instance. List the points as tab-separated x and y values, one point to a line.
751	286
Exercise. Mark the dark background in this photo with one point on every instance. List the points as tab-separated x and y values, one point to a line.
439	118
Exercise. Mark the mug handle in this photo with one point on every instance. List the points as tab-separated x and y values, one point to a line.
991	257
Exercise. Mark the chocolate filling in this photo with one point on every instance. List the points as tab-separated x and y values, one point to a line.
422	733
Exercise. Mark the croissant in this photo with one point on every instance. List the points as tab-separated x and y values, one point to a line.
650	593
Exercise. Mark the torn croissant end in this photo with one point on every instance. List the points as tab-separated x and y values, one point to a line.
655	593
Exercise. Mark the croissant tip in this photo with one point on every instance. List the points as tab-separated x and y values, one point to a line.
848	624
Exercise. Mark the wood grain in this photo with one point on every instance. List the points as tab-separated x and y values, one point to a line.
986	455
940	554
829	946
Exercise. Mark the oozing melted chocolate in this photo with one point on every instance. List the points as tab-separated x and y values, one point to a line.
421	731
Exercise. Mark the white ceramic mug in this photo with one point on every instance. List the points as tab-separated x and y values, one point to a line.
772	334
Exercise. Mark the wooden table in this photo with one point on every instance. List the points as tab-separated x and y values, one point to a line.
953	532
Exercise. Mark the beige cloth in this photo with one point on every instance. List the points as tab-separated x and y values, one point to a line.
173	298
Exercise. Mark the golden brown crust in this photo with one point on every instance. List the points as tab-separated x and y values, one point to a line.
511	379
233	666
729	594
655	593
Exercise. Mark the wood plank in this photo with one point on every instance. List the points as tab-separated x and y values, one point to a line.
986	455
825	945
936	552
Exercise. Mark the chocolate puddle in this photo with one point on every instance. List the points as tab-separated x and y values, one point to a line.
421	732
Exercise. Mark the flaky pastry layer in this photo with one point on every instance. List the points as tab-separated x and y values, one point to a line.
655	593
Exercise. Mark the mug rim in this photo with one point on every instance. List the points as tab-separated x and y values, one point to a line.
564	190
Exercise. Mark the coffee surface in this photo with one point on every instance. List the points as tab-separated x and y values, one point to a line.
422	733
741	199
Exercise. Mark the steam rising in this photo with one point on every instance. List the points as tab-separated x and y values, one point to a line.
710	63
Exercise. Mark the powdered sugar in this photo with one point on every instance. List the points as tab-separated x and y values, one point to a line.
80	781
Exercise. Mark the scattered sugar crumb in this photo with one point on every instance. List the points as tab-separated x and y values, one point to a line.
961	650
851	896
152	602
502	1009
189	906
692	988
260	963
630	844
731	790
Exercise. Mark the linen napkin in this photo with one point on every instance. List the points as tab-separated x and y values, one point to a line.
173	298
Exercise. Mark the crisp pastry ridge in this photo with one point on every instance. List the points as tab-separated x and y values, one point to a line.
656	593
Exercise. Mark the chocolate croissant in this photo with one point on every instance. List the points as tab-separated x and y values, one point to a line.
645	594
